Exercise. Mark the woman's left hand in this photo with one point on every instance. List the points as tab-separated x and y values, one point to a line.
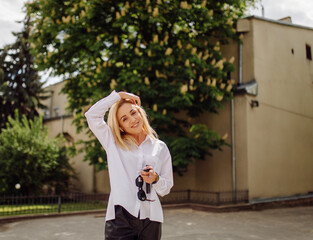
131	96
149	177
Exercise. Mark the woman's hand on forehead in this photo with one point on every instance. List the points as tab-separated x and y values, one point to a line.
131	96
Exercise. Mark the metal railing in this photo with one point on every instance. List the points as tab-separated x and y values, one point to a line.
206	197
23	205
45	204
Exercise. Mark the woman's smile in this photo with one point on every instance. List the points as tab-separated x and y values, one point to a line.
135	125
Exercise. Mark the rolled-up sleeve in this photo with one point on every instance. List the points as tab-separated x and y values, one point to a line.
166	182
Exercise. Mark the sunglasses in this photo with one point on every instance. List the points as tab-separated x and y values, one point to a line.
141	193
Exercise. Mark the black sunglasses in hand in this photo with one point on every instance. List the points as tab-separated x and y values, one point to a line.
141	193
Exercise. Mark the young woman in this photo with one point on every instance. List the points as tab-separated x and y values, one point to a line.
139	164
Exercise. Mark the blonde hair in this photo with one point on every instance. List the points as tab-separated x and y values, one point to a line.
123	139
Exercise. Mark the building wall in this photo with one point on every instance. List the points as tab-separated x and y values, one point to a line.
87	181
274	142
280	130
214	173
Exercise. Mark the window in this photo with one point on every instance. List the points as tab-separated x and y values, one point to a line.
308	52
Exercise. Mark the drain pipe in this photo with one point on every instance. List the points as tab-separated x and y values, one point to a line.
240	64
232	109
62	123
233	157
51	103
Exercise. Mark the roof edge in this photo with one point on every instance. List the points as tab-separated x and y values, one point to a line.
278	22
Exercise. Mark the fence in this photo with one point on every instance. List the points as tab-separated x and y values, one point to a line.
22	205
207	198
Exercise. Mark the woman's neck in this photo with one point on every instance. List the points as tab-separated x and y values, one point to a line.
140	137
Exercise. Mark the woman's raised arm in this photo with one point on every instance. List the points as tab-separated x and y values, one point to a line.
95	119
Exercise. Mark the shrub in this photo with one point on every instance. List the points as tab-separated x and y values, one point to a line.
29	159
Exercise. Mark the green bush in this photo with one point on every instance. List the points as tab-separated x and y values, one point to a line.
29	160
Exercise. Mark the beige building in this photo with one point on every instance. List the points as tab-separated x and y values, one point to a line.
59	121
269	122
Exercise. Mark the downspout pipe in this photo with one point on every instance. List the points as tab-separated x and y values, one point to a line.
62	124
233	156
51	103
232	109
240	64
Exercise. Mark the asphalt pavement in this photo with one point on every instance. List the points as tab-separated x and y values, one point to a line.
274	224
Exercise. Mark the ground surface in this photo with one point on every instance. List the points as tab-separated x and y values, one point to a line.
276	224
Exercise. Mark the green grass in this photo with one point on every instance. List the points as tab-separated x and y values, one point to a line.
15	210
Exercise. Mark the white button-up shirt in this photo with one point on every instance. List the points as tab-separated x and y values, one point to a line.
125	165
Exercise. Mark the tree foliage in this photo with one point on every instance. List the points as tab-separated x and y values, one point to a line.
30	160
20	86
168	52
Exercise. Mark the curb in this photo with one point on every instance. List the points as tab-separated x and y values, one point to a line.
48	215
208	208
251	206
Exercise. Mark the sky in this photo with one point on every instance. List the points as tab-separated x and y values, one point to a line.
300	11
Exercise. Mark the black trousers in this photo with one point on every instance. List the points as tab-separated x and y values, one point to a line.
127	227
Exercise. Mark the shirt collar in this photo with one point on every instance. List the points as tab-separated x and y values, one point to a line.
148	138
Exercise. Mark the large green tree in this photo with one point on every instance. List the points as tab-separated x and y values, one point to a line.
166	51
20	85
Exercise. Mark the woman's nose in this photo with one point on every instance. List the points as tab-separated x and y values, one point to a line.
132	119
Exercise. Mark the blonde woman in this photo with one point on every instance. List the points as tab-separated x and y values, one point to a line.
139	164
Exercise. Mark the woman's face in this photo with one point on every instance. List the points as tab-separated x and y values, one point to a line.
129	119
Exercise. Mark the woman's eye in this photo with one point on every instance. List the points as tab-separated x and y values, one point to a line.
133	113
124	119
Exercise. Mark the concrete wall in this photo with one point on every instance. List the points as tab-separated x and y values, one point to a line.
214	173
280	130
87	180
274	142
